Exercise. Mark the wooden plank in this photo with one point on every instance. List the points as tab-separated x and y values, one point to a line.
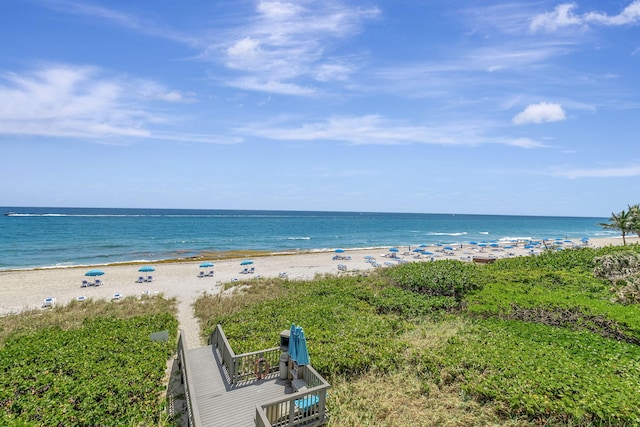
221	404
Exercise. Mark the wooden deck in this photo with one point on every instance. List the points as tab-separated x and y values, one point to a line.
223	404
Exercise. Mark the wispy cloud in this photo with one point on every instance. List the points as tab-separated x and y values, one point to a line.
540	113
80	102
563	16
609	172
378	130
122	19
285	42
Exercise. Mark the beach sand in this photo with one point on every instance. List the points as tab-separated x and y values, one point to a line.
26	289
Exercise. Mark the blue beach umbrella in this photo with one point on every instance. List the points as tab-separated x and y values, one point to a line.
393	250
146	269
422	246
302	354
448	248
339	251
473	243
246	262
206	264
427	253
293	342
369	257
93	273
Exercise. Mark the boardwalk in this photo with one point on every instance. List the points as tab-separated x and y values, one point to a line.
221	404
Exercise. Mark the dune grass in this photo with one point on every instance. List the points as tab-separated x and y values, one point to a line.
521	342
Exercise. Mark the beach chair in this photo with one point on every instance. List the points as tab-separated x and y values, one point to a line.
245	271
252	270
209	274
48	302
201	274
85	283
117	297
149	279
98	282
140	279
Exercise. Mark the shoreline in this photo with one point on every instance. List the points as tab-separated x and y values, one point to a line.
26	289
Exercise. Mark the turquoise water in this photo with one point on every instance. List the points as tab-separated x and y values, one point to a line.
48	237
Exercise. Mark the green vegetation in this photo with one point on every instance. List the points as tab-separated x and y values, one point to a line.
90	363
542	340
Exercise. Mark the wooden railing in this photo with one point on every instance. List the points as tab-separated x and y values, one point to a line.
187	380
306	407
241	367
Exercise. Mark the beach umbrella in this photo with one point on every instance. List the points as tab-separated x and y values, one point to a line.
293	342
146	269
448	248
418	250
494	245
427	253
473	243
422	246
393	250
339	251
302	354
206	264
246	262
93	273
369	257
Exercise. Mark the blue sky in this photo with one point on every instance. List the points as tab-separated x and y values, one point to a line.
489	107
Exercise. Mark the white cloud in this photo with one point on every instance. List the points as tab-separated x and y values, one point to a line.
630	15
271	86
611	172
376	130
286	42
540	113
563	16
79	102
526	143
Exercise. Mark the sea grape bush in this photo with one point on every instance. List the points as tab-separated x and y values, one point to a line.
106	372
541	370
450	278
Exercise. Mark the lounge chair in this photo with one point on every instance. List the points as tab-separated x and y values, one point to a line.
98	282
209	274
201	274
245	271
117	297
140	279
149	279
48	302
85	283
252	270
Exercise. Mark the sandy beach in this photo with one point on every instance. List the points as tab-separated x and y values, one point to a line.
26	289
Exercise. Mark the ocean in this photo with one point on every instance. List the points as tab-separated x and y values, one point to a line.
57	237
